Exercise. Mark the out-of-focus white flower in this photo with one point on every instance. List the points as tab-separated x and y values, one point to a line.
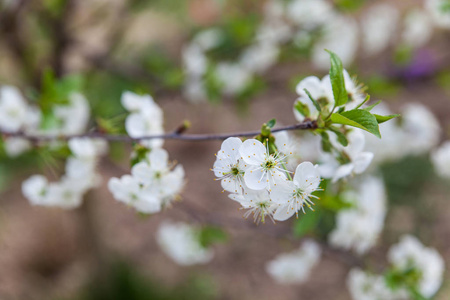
195	90
421	129
359	160
309	13
295	267
13	109
35	188
233	76
208	39
87	148
359	227
341	37
146	118
319	92
128	190
292	196
16	146
274	32
264	169
259	57
156	177
439	11
74	116
417	28
195	61
229	167
378	27
365	286
409	254
258	203
181	242
441	160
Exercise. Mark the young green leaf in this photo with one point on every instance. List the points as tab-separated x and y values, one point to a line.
382	119
271	123
358	118
370	107
316	104
337	79
326	144
364	102
302	108
210	235
306	223
342	139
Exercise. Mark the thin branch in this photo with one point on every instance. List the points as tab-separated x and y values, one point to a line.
169	136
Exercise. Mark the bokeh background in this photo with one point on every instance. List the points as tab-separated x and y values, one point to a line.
103	250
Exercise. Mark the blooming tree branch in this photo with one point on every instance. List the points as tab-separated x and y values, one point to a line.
176	135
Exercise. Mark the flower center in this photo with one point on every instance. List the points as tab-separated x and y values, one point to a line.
235	171
270	163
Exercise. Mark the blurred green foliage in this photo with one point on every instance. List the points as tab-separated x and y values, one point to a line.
124	282
210	235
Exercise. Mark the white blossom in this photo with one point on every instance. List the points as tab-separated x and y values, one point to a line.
366	286
13	109
264	170
318	91
73	117
195	61
341	37
409	254
257	203
259	57
441	160
181	242
292	196
310	13
233	76
359	227
378	27
418	28
439	11
229	167
358	159
16	146
146	118
295	267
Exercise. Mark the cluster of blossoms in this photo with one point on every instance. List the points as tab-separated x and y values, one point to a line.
414	269
80	177
181	242
260	181
295	267
154	182
313	25
16	115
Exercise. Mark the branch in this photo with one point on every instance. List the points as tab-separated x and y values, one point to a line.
169	136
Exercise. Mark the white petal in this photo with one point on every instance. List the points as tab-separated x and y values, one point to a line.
343	171
284	212
307	177
230	147
282	193
362	161
253	152
142	172
256	179
158	159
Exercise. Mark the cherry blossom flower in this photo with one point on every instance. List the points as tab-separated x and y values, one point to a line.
264	170
409	254
13	109
441	160
366	286
295	267
292	196
229	166
181	242
258	203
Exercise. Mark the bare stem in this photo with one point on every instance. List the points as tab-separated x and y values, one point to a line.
169	136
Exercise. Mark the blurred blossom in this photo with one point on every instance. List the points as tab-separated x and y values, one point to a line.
440	12
181	242
417	28
310	13
295	267
259	57
441	160
13	109
366	286
378	27
340	36
359	227
233	76
409	255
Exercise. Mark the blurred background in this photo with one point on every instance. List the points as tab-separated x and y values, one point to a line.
226	66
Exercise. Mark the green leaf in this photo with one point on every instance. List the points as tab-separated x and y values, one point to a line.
271	123
358	118
342	139
370	107
316	104
382	119
306	223
365	101
326	144
337	79
211	235
302	108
